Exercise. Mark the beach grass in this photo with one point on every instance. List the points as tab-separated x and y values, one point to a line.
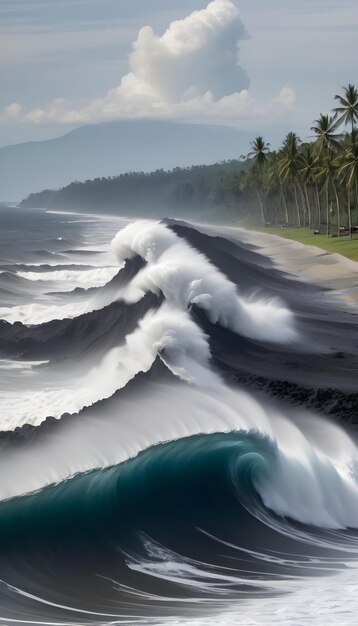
341	245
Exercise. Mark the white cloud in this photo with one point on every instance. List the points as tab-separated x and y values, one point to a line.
191	72
11	112
286	96
195	55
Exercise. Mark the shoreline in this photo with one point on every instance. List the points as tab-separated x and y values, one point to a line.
344	246
311	264
336	277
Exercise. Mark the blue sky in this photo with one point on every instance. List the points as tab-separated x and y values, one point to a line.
266	65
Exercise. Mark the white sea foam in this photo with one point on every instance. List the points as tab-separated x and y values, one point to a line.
70	279
185	277
306	481
331	601
312	479
301	481
168	331
8	364
44	310
40	313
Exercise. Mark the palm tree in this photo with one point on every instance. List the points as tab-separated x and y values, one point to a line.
347	112
289	166
259	151
259	154
328	171
308	169
324	129
326	143
348	115
349	172
275	178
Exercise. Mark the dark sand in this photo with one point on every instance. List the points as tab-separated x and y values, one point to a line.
318	372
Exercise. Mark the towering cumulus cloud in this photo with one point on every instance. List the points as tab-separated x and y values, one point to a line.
195	56
189	72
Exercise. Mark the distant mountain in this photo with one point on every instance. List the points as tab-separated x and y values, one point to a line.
111	149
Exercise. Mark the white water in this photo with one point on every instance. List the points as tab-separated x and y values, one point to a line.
8	364
186	353
43	310
185	277
305	482
312	603
70	279
308	481
312	480
315	602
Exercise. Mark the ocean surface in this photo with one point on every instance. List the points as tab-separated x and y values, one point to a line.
148	474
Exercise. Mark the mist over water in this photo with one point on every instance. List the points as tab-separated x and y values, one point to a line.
140	482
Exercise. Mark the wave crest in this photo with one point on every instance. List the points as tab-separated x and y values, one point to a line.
187	277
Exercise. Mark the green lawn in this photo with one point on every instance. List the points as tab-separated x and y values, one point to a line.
341	245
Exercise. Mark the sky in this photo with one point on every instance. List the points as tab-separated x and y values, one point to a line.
265	65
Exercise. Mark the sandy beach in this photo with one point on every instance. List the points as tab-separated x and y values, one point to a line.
308	263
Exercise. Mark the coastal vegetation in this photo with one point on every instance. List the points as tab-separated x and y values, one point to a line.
311	184
302	185
340	245
207	191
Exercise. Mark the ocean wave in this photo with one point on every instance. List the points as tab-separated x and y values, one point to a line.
70	279
186	277
137	478
182	520
313	479
168	332
44	310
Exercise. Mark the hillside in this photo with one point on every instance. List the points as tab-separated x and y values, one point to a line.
111	149
205	190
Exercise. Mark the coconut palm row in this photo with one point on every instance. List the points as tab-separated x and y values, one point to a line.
311	184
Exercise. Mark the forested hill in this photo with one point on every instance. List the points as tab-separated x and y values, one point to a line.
113	148
202	190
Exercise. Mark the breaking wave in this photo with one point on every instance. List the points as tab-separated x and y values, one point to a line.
137	482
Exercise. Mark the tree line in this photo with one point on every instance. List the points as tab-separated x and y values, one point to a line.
315	183
312	184
200	191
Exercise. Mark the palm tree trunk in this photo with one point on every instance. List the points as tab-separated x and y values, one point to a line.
327	205
261	206
284	203
304	204
297	205
338	209
308	206
318	206
349	213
